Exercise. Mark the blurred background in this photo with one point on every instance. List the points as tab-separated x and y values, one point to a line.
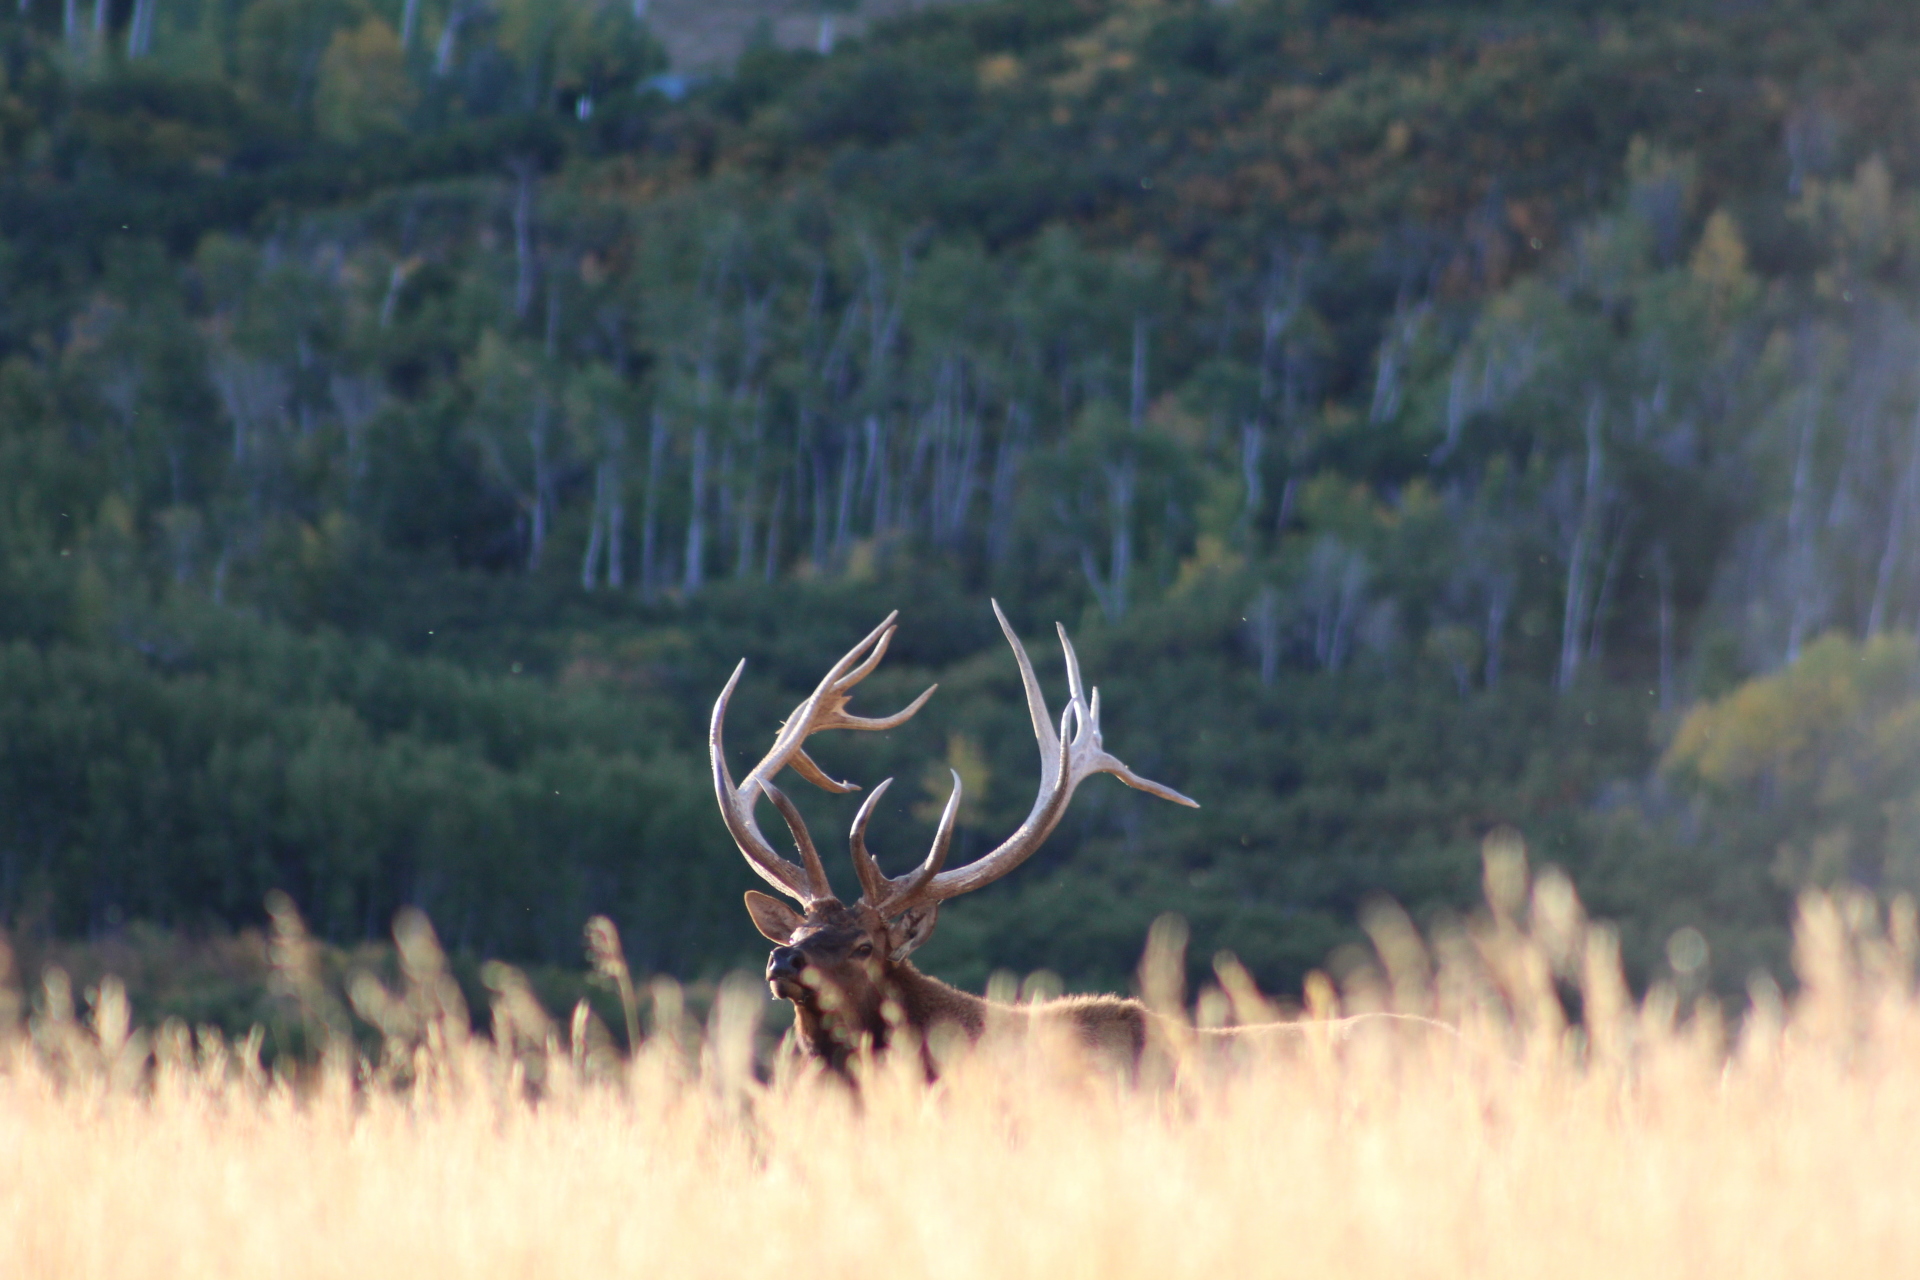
1429	418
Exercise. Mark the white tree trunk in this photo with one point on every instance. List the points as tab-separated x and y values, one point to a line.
538	430
695	569
1253	443
1663	582
590	562
1801	551
1264	618
650	520
1137	381
1110	589
879	482
1574	612
616	530
526	181
1603	598
608	520
1006	474
1898	516
1499	601
744	502
843	505
772	561
139	28
449	42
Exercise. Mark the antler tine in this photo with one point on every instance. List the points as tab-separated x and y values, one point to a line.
1098	759
1074	687
819	707
895	895
736	809
1030	685
1107	763
825	708
923	886
803	764
882	633
841	720
822	709
809	856
885	631
1066	760
873	884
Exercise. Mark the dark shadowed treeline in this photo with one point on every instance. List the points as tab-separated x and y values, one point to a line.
409	412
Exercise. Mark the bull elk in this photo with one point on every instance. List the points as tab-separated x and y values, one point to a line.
845	968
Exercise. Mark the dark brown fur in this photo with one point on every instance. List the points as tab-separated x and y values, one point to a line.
849	998
833	965
845	968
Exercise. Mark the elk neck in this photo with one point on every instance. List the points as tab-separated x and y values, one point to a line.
913	1002
1109	1029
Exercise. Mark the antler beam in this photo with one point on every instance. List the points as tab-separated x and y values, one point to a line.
824	708
1068	756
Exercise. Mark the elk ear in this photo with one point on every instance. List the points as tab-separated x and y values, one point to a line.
912	929
775	920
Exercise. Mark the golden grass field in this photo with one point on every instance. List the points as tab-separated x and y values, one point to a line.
1782	1142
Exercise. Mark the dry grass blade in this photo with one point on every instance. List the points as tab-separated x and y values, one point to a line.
1352	1144
610	963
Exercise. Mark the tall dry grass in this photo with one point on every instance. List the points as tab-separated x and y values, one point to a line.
1643	1142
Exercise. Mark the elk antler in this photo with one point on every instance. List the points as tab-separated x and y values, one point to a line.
825	708
1068	757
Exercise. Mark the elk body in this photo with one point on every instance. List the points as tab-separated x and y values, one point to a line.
845	968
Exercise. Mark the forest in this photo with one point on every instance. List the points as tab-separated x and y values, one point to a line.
1428	418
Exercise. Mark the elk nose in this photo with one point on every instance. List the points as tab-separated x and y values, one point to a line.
786	962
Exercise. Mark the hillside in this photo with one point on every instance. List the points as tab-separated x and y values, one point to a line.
705	37
410	415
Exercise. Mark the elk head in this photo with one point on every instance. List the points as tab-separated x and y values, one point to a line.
843	966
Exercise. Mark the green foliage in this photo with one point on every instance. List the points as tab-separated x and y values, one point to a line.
284	44
184	785
1815	770
363	87
1412	409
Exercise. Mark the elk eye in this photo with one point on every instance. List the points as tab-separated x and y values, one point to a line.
864	950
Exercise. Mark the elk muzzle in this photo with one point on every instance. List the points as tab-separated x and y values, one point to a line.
784	969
